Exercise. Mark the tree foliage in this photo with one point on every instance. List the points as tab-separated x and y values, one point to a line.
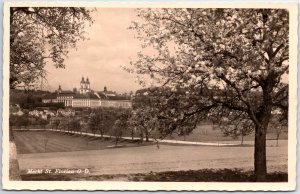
74	124
64	125
55	123
223	63
165	108
144	120
95	122
121	124
102	119
26	121
39	35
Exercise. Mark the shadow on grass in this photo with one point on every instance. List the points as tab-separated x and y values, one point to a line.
204	175
210	175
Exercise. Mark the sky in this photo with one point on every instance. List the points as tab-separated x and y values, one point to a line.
110	45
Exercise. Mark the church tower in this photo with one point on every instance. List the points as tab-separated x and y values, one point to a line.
59	89
84	86
87	83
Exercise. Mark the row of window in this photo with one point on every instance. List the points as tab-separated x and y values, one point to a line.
92	103
62	97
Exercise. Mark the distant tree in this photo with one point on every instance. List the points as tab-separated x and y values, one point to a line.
40	34
19	121
56	123
277	125
102	119
121	124
117	131
184	131
74	125
240	56
163	109
278	131
132	125
109	116
43	122
52	106
238	127
85	122
96	122
63	125
144	120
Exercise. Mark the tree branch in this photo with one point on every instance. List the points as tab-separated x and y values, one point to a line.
242	98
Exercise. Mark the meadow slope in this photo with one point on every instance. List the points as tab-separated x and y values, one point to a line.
133	158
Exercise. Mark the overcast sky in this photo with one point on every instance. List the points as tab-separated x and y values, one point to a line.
110	45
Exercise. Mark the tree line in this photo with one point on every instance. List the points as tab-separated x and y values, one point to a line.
114	122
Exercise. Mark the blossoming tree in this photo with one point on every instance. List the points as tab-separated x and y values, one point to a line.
229	64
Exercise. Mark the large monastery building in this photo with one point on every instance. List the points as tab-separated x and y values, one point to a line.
86	97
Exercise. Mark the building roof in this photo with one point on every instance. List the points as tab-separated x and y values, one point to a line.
89	95
104	96
66	93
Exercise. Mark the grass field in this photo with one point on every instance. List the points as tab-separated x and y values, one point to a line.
207	133
66	151
50	141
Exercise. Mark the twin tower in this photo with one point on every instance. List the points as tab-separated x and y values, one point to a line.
84	86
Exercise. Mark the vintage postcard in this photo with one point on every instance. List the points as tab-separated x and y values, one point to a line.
150	96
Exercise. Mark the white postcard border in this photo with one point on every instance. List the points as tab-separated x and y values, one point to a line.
157	186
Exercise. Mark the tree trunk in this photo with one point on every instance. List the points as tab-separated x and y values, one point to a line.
147	135
117	139
242	142
142	137
260	163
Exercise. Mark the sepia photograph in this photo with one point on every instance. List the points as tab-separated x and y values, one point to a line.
149	96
